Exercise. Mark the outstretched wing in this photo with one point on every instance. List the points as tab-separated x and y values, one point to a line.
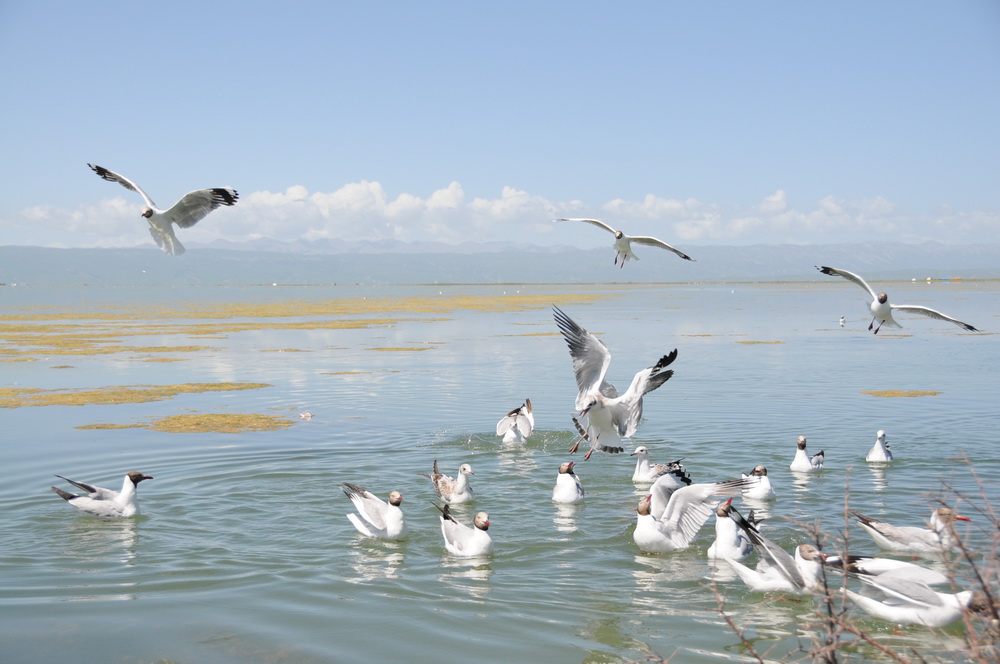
591	357
595	222
196	205
850	276
111	176
656	242
932	313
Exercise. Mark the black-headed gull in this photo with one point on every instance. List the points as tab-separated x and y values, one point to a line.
880	452
376	517
453	490
803	461
517	425
757	485
569	488
461	540
623	243
778	571
935	539
730	540
186	212
105	502
649	472
882	309
905	601
672	514
609	416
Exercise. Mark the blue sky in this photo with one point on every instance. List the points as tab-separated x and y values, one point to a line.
700	123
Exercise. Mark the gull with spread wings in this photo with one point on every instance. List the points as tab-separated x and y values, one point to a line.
186	212
882	309
623	243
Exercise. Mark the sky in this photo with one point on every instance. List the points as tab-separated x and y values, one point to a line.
702	123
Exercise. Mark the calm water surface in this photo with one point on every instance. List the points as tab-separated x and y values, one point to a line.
243	552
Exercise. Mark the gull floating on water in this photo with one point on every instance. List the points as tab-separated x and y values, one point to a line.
649	472
452	490
623	243
672	514
757	485
880	452
908	602
609	416
778	571
461	540
935	539
517	425
569	488
376	517
105	502
875	566
730	541
882	309
186	212
803	462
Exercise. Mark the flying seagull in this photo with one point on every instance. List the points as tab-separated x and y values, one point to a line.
186	212
623	243
882	309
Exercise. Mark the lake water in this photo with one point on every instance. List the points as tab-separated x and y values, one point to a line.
243	552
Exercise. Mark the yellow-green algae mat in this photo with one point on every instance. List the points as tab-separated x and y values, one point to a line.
42	331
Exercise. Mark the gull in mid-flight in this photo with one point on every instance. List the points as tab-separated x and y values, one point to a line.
186	212
623	243
882	309
609	416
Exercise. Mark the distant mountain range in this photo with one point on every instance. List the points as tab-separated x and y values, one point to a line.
325	262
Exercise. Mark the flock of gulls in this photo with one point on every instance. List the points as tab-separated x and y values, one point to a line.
674	509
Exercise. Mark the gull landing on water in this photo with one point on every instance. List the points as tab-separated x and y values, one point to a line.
105	502
623	243
882	309
186	212
609	416
517	425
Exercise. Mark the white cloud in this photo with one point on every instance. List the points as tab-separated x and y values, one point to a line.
365	211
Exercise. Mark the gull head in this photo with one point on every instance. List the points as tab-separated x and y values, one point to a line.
147	212
466	469
759	471
802	442
137	477
640	451
566	468
482	521
643	508
395	498
882	298
619	235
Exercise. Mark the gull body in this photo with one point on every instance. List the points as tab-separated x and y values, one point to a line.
882	309
186	212
880	452
623	242
730	541
517	425
907	602
465	541
569	488
803	462
610	416
757	484
649	472
453	490
105	502
936	538
376	517
669	518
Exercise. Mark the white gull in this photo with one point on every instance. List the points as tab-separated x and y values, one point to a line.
452	490
880	452
186	212
609	416
623	243
804	462
937	538
517	425
376	517
882	309
569	488
105	502
465	541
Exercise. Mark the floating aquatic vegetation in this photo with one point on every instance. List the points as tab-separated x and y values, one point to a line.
399	348
759	342
111	426
220	423
29	396
901	393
